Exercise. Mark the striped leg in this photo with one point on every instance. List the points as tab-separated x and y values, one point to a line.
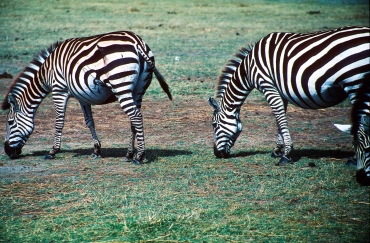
60	103
137	132
284	142
89	120
279	149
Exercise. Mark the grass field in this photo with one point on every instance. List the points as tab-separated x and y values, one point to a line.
183	193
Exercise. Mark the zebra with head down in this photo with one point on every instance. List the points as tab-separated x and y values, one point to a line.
95	70
312	71
360	129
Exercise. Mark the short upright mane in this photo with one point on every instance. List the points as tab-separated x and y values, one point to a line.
33	67
229	70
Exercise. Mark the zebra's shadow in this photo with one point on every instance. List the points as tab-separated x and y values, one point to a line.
297	154
151	154
321	153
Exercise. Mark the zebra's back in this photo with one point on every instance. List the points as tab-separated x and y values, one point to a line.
313	70
98	69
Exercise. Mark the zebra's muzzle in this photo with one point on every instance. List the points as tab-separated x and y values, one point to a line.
224	153
13	153
362	178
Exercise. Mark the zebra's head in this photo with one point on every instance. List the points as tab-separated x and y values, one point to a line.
361	143
19	127
226	129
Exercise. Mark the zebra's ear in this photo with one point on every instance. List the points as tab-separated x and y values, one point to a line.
13	102
213	103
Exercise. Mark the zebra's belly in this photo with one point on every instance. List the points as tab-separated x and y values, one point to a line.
328	96
93	92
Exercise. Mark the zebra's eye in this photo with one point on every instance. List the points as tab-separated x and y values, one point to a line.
214	124
11	115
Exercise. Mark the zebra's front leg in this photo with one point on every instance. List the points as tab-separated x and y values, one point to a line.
284	143
89	120
60	103
278	151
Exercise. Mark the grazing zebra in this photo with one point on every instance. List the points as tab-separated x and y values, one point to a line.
312	71
360	129
95	70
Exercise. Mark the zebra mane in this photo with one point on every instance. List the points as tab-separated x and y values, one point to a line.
33	67
357	114
229	70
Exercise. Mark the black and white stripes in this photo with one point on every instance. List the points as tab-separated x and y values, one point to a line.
95	70
312	71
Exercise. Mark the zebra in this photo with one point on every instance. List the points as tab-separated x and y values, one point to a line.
96	70
309	70
360	129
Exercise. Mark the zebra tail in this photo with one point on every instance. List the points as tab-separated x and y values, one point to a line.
162	82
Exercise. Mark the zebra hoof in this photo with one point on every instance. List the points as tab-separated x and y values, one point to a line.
129	157
283	161
351	162
137	162
276	155
96	156
50	156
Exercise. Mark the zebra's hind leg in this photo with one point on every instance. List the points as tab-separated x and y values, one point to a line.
131	149
137	131
89	120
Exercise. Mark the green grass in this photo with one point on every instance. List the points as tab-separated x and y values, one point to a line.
185	194
185	198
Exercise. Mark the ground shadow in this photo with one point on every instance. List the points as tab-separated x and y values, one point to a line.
317	154
296	155
151	154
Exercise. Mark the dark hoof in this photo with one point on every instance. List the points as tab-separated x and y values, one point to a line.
96	156
276	155
283	161
129	157
137	162
49	156
351	162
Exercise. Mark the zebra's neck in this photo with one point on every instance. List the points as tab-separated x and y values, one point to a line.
28	87
234	83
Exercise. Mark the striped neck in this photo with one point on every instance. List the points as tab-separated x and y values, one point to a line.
28	87
233	83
